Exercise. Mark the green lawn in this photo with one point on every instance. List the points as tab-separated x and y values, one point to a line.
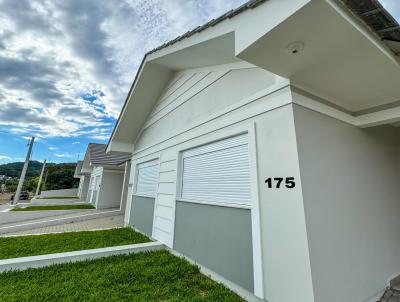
60	197
13	247
55	207
151	276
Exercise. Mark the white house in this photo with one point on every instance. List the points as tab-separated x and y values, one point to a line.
109	176
265	146
84	179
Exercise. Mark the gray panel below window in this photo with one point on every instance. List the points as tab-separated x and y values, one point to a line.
142	214
219	238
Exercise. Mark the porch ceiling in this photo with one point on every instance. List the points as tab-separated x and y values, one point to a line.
338	58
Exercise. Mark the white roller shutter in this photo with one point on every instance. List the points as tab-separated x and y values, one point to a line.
147	179
217	172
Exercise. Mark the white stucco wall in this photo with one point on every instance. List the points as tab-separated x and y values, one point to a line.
286	254
63	192
351	189
233	102
125	187
110	189
96	172
83	186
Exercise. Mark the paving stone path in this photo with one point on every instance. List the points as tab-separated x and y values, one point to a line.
87	225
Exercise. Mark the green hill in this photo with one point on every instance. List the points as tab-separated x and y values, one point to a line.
57	176
60	176
14	169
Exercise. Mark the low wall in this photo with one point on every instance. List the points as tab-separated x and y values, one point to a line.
24	263
64	192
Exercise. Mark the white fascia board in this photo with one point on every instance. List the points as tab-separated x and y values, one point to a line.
377	118
388	116
223	28
119	147
149	81
363	29
248	26
125	106
251	25
86	165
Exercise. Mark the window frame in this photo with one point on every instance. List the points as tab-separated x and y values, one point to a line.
211	202
136	182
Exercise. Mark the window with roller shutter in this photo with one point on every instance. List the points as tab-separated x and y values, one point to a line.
218	172
147	177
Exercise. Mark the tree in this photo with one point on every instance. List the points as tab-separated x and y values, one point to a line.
57	176
11	185
14	169
60	176
31	184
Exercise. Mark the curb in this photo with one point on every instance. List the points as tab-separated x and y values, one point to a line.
24	263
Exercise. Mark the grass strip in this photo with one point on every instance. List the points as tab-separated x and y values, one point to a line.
59	197
150	276
22	246
55	207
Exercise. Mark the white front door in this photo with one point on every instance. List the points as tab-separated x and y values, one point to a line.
90	190
96	188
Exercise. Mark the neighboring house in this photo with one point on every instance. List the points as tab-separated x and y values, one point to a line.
266	148
109	176
84	179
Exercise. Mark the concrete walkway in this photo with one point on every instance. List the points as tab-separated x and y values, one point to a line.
41	201
86	225
13	222
19	217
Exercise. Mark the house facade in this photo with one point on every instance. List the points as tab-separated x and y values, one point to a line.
84	179
267	150
109	175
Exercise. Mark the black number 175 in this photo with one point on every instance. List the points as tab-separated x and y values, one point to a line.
289	182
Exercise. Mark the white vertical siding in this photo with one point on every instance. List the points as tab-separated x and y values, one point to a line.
164	209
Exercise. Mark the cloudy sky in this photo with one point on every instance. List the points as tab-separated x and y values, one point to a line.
66	66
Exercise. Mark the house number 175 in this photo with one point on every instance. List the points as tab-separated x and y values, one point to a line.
276	182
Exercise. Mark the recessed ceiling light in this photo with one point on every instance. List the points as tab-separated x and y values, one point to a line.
295	47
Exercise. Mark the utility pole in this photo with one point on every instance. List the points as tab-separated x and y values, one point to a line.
22	177
45	178
40	179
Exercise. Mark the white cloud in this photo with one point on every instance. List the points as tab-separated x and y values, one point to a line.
100	137
63	155
53	148
66	66
9	159
76	143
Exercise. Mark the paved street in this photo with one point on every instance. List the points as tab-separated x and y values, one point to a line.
34	222
49	201
87	225
20	217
